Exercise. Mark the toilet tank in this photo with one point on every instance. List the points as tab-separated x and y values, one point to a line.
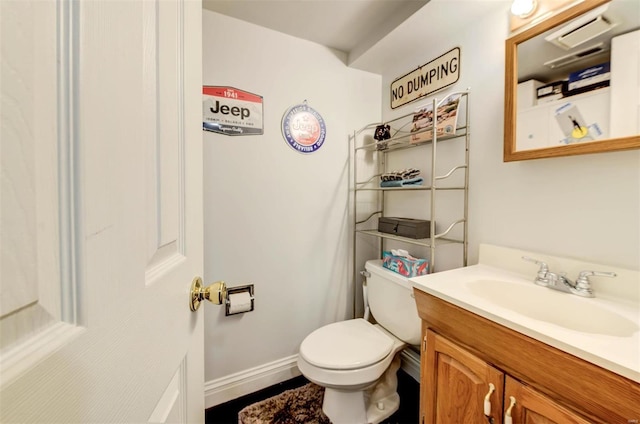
391	302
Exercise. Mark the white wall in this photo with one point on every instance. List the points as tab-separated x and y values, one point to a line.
274	217
587	207
279	219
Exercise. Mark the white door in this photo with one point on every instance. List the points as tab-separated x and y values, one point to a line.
101	211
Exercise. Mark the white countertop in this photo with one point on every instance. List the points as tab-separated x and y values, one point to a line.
618	353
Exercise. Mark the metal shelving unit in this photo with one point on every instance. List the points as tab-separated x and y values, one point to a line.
401	140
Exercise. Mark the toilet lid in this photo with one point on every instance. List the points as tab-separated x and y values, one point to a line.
346	345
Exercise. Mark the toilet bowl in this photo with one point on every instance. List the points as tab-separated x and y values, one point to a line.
355	360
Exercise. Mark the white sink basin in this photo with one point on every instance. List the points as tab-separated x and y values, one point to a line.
558	308
603	331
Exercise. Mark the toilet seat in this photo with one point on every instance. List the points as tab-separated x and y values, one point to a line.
346	345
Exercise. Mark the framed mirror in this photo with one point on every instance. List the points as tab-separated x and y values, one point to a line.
572	83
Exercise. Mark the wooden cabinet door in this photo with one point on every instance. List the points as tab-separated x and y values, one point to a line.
532	407
455	383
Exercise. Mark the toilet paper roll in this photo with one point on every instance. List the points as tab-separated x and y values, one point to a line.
239	302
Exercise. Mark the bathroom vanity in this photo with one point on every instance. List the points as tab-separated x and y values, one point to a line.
497	348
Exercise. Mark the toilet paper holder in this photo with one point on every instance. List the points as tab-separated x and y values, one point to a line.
235	290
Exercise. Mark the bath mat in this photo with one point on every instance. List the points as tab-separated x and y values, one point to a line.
296	406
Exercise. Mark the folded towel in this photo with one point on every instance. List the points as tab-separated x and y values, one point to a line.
402	183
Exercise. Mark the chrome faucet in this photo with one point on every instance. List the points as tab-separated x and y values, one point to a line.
559	281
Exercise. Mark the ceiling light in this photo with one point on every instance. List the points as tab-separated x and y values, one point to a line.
523	8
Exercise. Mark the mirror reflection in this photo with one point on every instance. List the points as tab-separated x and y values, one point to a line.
578	81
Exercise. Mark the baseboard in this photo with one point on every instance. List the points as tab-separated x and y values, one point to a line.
245	382
411	363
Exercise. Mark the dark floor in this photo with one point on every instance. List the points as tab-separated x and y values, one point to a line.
408	389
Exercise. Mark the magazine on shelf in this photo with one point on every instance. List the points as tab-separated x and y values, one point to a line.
447	116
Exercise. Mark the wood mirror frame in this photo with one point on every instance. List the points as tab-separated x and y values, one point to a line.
511	85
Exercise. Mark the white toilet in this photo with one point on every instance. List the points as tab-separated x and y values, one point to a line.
356	361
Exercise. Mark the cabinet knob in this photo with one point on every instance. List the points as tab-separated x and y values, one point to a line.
487	400
507	415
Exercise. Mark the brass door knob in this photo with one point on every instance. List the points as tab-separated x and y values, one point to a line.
215	293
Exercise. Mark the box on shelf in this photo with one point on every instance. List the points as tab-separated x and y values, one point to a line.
552	91
405	227
527	96
590	78
409	267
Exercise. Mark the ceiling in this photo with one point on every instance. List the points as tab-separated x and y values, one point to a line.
375	34
340	24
